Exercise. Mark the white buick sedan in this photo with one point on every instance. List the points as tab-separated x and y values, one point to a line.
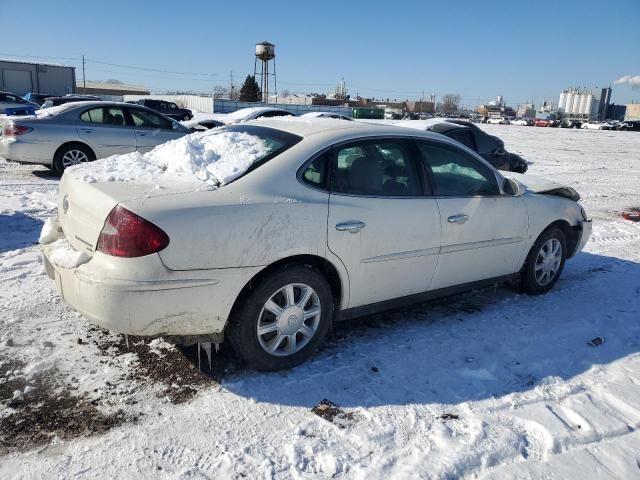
267	232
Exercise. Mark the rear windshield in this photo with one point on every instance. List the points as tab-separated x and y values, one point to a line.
276	141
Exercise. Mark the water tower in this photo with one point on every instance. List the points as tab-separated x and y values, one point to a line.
265	53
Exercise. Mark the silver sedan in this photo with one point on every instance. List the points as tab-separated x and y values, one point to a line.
83	131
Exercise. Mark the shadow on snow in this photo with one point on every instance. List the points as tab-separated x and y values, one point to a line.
18	230
469	347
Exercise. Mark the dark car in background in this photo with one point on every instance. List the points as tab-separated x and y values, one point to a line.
629	125
38	98
55	101
570	124
491	148
169	109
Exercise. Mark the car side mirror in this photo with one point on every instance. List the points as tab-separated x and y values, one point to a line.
512	187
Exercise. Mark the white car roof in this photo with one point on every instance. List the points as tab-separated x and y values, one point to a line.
305	127
247	112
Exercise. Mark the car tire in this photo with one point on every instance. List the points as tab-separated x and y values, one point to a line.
186	117
70	154
274	349
545	262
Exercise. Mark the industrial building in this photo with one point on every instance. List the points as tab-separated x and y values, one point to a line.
111	91
24	77
632	112
584	104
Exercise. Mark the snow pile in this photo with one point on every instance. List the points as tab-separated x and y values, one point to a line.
63	255
214	157
50	231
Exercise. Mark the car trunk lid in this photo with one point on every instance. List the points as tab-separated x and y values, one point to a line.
84	206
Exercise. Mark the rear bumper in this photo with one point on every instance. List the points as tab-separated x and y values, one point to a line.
20	151
153	300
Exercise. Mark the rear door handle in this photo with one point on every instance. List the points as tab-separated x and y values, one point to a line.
142	134
87	130
351	227
460	218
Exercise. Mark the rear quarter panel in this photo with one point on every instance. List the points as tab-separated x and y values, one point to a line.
259	219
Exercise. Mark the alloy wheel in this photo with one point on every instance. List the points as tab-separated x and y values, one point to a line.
548	261
289	319
74	157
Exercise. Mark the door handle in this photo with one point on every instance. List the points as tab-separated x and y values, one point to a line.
460	218
351	227
87	130
142	134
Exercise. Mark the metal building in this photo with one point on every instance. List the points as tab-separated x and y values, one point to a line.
24	77
583	104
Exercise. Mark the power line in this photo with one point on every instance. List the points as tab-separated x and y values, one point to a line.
132	67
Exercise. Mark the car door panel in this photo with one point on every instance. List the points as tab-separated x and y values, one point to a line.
104	129
388	241
483	231
394	254
151	129
487	244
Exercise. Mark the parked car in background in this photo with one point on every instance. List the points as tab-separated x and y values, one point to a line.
498	120
170	109
253	113
520	121
11	104
541	122
489	147
38	98
593	125
629	125
326	115
202	125
79	132
383	217
57	101
570	124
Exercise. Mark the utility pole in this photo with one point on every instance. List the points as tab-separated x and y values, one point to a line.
84	79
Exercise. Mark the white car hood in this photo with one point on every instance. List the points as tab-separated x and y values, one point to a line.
536	184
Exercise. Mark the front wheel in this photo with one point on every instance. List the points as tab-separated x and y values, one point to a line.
186	117
544	263
283	319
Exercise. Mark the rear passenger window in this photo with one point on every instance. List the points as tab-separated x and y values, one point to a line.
376	168
316	172
456	173
105	116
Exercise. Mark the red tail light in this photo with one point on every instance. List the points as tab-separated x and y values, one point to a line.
15	130
126	234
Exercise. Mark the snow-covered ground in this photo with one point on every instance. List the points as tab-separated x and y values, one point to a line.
485	385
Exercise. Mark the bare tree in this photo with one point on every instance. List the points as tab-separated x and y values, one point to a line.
450	103
220	92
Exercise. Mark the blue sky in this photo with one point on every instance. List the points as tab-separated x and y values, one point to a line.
480	49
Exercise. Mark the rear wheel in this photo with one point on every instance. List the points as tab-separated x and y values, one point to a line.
186	117
545	262
72	154
283	319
